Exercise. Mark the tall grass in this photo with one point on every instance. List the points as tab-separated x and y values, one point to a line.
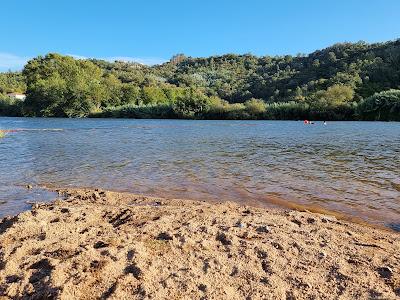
253	110
152	111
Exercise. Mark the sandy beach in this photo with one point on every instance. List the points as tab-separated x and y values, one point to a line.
97	244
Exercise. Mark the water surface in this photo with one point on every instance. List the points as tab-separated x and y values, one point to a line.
352	167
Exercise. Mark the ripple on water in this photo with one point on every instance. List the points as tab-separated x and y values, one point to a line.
347	166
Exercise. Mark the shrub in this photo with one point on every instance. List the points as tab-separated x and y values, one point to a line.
10	107
192	104
255	107
153	111
383	106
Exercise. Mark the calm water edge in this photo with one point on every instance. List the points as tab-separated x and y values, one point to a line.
351	167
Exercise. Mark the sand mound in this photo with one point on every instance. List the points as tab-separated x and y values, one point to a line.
105	245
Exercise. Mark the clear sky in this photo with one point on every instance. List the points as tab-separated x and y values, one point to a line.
152	31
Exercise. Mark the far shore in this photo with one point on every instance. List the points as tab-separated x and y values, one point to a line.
96	244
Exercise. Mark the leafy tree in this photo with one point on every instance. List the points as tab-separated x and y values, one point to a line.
328	83
113	92
178	58
383	106
153	95
10	107
191	104
12	82
62	86
334	95
131	94
255	107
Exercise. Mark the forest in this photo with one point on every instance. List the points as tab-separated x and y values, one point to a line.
347	81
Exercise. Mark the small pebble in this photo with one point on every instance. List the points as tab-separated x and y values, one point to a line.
310	220
203	288
385	272
263	229
100	244
240	224
222	237
164	236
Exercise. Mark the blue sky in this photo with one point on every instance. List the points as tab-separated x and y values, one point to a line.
152	31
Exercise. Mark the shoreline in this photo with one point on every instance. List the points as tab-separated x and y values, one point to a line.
270	202
185	119
103	244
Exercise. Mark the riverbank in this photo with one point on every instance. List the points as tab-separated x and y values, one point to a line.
99	244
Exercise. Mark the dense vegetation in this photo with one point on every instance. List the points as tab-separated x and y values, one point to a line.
343	82
381	106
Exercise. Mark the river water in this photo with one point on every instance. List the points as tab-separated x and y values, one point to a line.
350	167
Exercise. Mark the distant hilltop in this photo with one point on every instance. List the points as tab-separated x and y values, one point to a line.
340	82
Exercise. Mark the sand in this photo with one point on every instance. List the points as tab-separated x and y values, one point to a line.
105	245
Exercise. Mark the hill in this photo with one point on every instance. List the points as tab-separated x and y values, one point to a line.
341	82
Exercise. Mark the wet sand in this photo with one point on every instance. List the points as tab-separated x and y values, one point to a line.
107	245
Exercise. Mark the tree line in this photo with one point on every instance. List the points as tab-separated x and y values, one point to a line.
346	81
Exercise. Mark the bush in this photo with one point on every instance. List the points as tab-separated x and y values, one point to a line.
255	107
383	106
153	111
192	104
10	107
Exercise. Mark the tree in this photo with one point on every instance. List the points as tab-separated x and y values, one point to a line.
153	94
131	94
191	104
177	58
334	95
113	93
10	107
328	82
12	82
383	106
62	86
255	107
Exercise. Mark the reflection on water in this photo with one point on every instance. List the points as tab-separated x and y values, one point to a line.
351	167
